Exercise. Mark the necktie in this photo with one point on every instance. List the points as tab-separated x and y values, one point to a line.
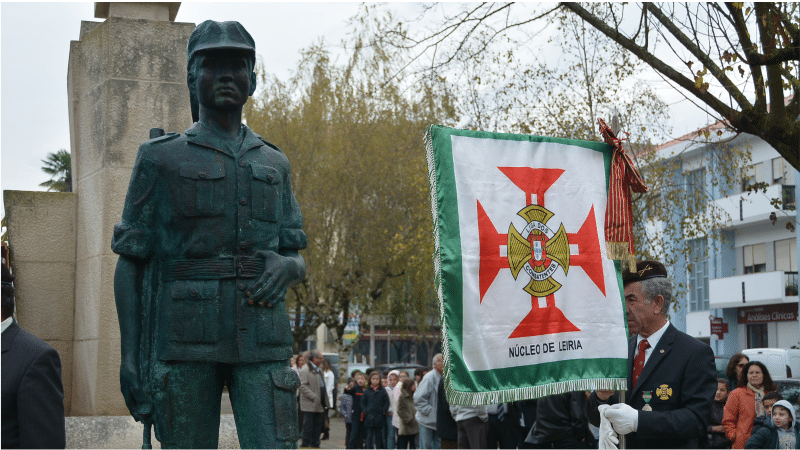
638	362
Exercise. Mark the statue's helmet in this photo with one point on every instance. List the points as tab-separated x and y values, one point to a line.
212	35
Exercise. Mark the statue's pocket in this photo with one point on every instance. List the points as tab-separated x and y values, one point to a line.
266	193
195	311
286	383
203	188
273	325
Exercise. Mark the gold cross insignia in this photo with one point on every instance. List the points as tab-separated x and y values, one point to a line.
641	272
664	392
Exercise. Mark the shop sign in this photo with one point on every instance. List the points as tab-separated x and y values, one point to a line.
718	327
784	312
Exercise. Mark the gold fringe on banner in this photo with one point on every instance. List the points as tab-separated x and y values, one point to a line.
619	251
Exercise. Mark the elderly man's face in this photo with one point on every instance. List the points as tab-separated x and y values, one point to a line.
317	360
644	317
438	364
222	80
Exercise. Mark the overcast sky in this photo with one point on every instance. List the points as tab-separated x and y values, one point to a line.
34	53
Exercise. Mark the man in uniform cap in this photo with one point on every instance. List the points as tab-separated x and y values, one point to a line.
671	375
208	246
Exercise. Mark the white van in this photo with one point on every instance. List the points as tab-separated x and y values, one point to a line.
780	363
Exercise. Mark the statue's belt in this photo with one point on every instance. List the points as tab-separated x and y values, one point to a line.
212	268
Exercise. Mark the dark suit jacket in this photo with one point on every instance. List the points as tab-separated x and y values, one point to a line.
32	395
681	376
446	426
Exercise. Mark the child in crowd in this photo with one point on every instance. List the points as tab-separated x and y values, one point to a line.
346	409
716	431
391	431
781	432
357	428
375	405
406	412
769	400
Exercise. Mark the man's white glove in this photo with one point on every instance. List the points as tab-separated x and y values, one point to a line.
623	418
608	437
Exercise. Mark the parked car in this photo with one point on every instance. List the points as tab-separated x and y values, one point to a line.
789	388
356	366
408	367
780	362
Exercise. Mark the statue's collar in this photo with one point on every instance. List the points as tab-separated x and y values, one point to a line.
200	134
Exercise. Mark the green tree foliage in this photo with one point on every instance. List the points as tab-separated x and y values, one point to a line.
360	177
59	166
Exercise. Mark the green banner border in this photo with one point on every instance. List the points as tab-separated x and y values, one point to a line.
483	386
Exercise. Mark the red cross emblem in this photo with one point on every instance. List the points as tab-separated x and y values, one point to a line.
550	319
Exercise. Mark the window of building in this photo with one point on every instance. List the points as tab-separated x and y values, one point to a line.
757	335
782	172
698	276
695	181
753	174
755	258
786	255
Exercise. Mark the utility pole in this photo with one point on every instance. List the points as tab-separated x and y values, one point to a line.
372	345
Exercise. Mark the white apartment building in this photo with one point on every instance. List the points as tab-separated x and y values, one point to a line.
743	294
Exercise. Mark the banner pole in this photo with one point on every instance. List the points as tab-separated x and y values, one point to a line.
622	436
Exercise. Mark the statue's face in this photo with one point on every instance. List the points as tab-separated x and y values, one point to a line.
222	79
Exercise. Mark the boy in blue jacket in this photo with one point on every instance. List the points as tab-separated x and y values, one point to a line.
781	432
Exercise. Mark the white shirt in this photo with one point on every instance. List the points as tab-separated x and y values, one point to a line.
6	323
652	340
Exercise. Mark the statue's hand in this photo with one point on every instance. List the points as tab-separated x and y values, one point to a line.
271	286
132	390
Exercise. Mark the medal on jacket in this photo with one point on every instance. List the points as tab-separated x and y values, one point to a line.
646	396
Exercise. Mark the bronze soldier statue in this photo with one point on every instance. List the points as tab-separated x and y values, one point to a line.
208	247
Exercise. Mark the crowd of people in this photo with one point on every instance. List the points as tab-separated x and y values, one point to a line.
401	411
404	410
674	399
753	414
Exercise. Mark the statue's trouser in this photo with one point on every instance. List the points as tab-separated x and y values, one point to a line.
187	403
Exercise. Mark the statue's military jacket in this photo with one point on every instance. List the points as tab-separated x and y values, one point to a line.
198	216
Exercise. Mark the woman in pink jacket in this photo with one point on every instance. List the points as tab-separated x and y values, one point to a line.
745	403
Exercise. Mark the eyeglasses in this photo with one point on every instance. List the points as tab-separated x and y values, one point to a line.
741	364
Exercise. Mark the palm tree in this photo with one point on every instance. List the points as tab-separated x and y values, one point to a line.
59	166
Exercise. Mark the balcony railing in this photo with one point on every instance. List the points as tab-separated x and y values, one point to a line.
791	283
743	208
762	288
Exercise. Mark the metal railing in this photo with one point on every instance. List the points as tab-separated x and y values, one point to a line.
791	283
